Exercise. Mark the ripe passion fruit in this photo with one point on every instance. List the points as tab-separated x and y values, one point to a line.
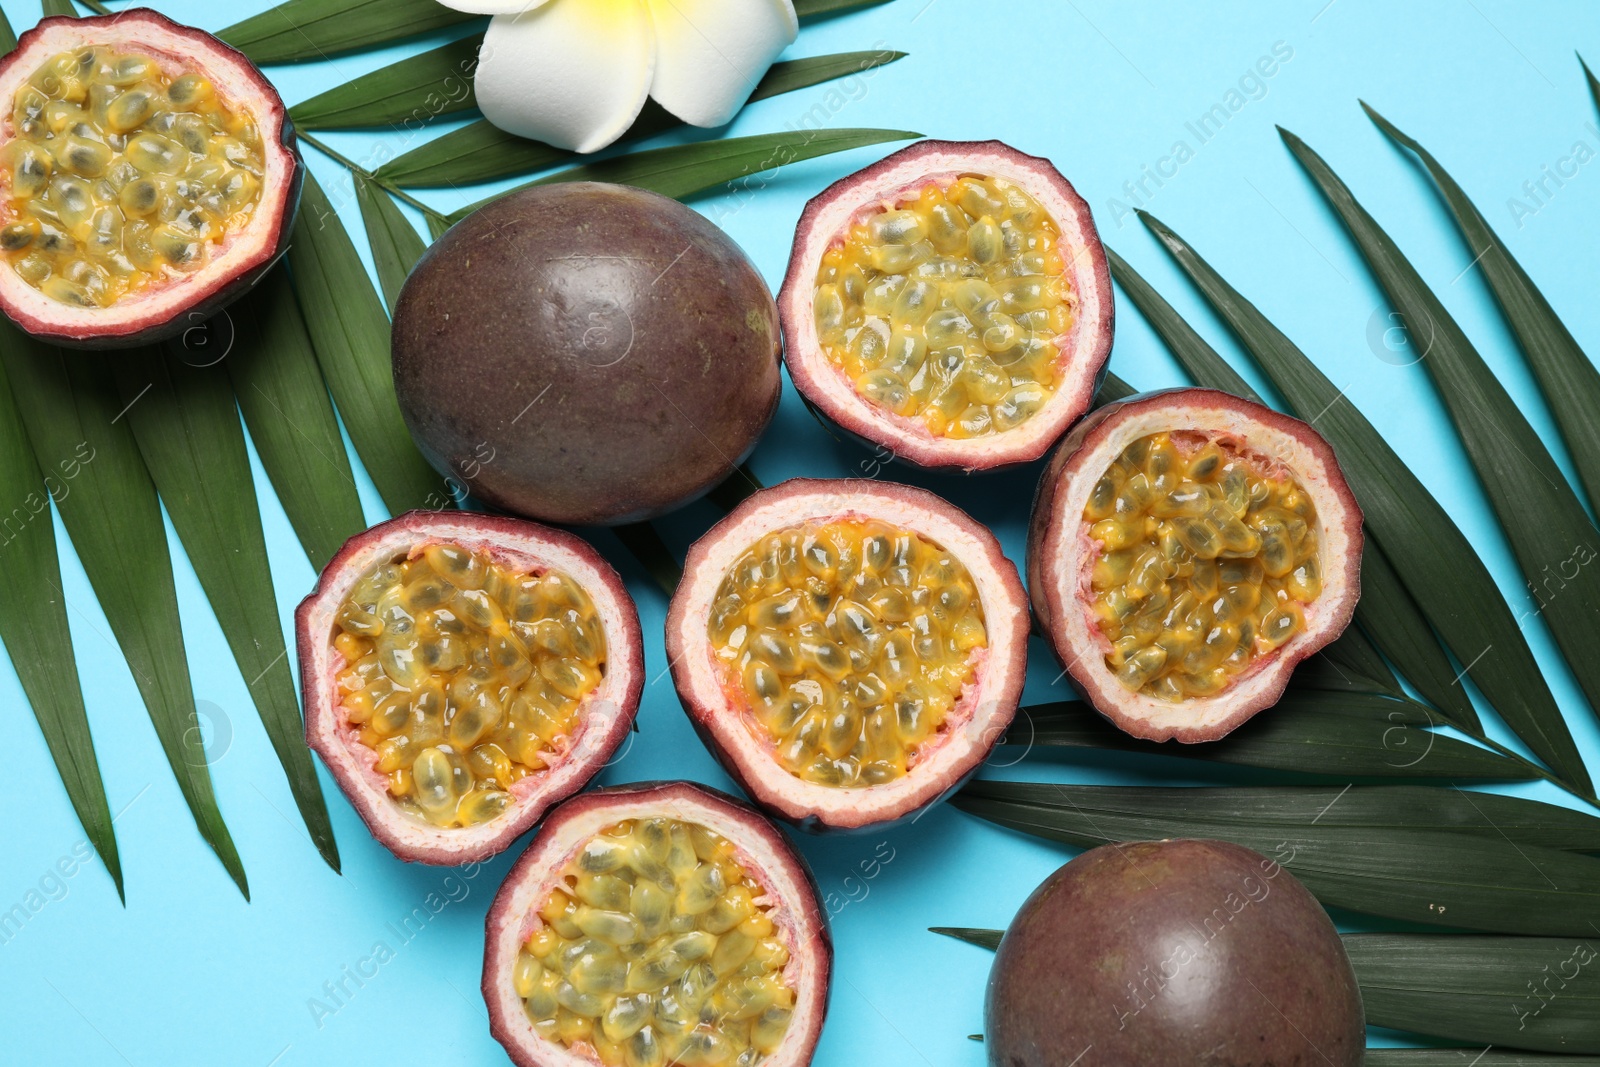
463	672
656	924
586	354
951	303
1187	549
849	650
149	178
1172	952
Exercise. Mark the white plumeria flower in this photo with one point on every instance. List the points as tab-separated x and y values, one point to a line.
574	73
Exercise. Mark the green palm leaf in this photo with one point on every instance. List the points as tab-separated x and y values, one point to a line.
1569	382
1436	563
481	152
291	421
1594	83
33	624
315	29
685	169
350	332
807	9
1464	989
1540	993
70	408
1540	514
1478	881
1349	665
58	8
408	93
187	428
396	245
1340	735
1386	610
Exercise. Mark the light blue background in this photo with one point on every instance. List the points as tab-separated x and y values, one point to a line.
188	973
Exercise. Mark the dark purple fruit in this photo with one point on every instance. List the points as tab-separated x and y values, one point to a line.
1172	953
586	353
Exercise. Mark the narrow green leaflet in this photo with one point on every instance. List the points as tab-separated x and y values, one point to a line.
350	333
1433	558
286	407
407	93
396	244
643	541
481	152
1385	611
1540	993
1356	807
186	424
989	939
71	410
1594	83
314	29
1478	881
33	622
1112	389
1534	992
685	169
812	8
1340	735
1569	382
1543	520
59	7
1351	665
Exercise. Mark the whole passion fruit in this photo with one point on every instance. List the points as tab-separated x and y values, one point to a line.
1187	549
655	924
149	177
1172	952
586	353
462	673
951	304
849	650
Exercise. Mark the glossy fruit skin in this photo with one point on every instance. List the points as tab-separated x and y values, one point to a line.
584	353
608	712
206	294
761	844
1172	952
1059	556
904	173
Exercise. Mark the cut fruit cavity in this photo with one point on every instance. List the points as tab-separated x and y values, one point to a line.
850	650
148	177
951	304
462	672
1187	549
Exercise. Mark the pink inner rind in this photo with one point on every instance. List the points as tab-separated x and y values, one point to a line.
1083	364
1060	554
608	713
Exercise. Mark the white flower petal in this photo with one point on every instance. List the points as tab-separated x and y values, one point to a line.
711	53
573	73
491	7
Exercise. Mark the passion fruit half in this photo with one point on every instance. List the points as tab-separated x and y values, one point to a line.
850	650
584	353
951	304
655	924
1187	549
463	672
1172	952
148	176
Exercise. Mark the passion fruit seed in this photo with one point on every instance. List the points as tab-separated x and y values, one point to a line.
658	948
851	641
464	676
947	307
121	176
1208	558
